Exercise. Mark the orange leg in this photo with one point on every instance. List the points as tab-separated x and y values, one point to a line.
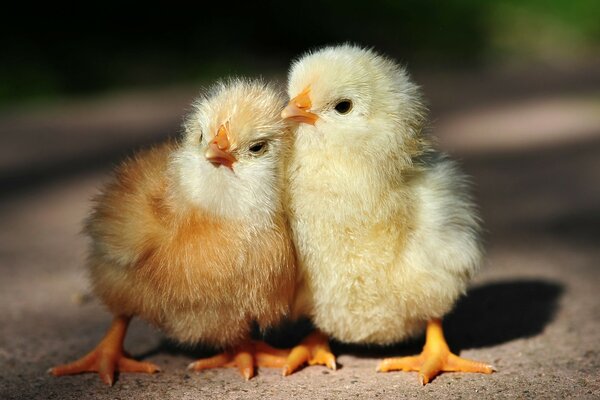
434	359
107	357
245	357
313	350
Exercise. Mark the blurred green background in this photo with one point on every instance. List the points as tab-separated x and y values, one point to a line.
55	55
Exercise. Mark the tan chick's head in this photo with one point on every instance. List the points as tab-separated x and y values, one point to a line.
230	161
352	99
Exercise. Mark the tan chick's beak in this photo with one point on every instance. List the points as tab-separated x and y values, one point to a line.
297	109
217	150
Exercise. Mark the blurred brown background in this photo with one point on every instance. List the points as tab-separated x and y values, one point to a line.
514	92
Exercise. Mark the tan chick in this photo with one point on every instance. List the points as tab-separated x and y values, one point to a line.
386	235
191	236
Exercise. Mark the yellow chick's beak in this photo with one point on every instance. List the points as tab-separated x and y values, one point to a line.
297	109
217	152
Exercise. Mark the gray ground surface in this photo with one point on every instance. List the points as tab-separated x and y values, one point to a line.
531	141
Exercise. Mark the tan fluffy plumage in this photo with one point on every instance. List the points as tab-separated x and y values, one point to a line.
386	234
199	266
197	248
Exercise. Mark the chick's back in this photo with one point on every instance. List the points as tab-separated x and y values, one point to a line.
196	276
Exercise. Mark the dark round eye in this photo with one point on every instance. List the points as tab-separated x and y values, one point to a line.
343	106
258	148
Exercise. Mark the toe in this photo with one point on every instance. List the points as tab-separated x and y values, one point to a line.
220	360
245	363
130	365
270	360
299	356
324	357
430	369
412	363
458	364
84	364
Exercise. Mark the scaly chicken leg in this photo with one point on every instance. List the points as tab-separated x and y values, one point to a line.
245	357
434	359
107	357
313	350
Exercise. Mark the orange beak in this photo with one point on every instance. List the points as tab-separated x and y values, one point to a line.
217	152
298	109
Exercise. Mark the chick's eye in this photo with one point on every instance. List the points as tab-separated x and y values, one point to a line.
258	148
343	106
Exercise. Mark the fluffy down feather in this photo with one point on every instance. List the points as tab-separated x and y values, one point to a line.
386	234
200	251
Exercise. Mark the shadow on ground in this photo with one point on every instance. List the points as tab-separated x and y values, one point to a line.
500	312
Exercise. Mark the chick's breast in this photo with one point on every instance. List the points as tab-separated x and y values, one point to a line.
197	276
375	268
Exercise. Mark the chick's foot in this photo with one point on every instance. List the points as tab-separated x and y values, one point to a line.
434	359
245	357
107	357
313	350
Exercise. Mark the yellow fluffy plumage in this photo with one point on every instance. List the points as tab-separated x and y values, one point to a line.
386	234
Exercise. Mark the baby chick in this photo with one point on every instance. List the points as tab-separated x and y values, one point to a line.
386	235
192	237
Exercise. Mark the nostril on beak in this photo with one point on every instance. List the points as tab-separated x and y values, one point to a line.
221	139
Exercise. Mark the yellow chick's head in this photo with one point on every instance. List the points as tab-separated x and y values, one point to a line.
230	161
349	98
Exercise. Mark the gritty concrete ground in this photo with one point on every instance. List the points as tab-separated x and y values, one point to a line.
530	140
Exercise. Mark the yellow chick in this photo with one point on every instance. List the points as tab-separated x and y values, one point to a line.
192	237
386	235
